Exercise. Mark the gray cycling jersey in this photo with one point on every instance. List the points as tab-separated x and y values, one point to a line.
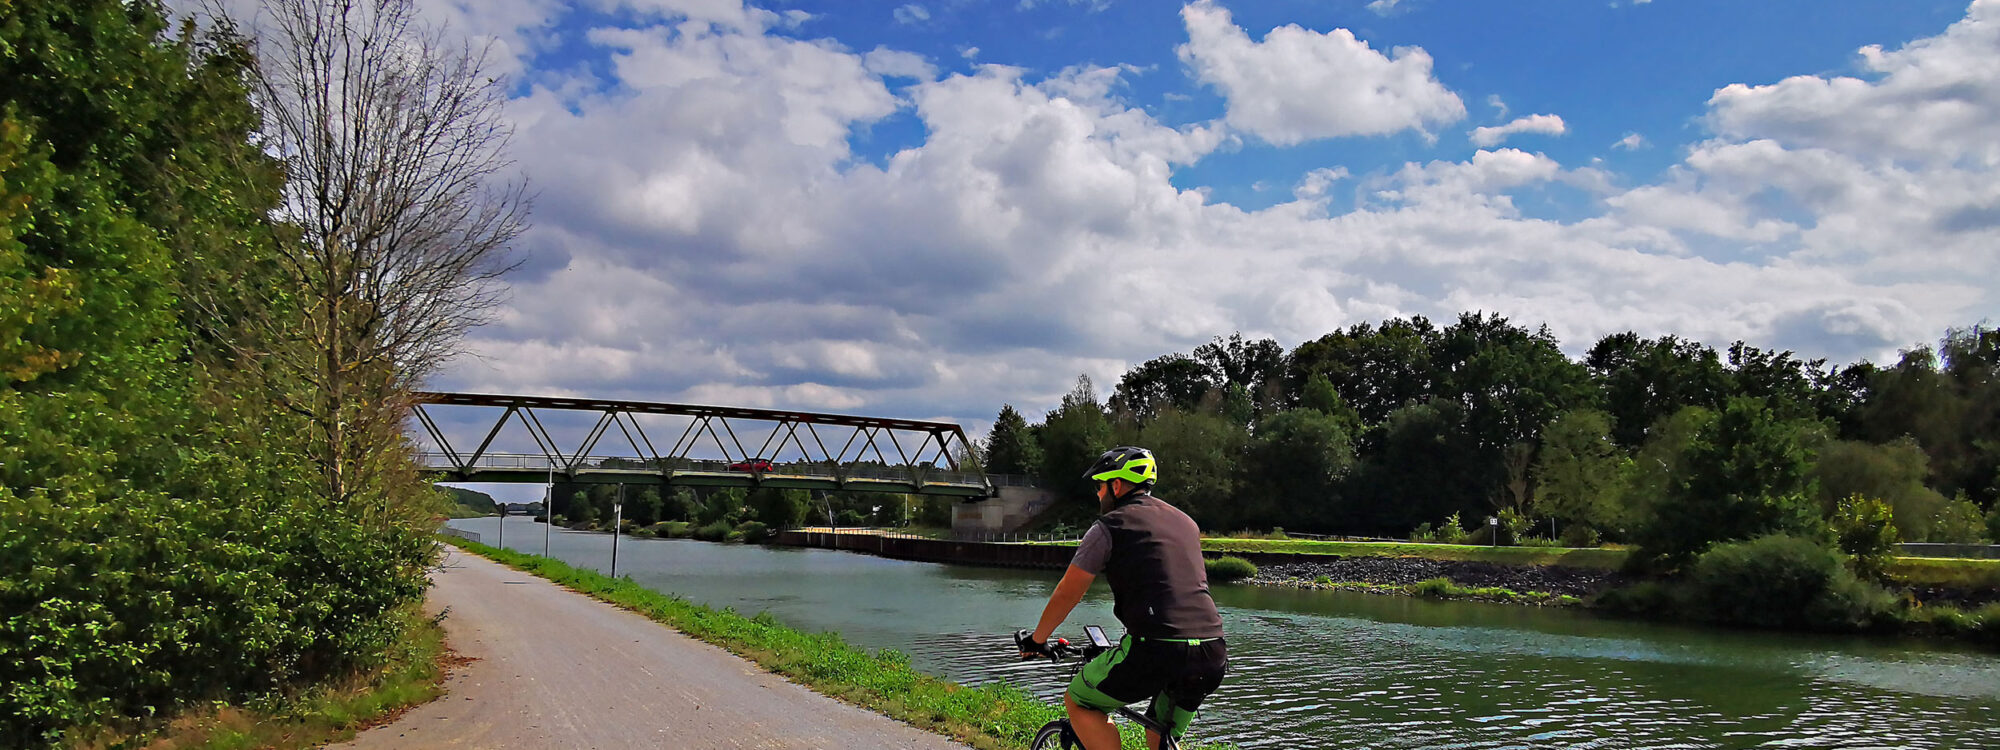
1093	551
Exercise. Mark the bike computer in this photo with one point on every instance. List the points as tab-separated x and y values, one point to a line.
1096	636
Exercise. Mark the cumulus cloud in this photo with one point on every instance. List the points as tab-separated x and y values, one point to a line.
1298	85
717	241
1383	7
1631	142
1485	137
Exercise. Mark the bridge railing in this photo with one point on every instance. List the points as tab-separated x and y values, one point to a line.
536	462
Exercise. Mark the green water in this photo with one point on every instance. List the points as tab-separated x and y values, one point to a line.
1347	670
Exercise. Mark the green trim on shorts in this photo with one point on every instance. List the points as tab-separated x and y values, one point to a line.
1084	687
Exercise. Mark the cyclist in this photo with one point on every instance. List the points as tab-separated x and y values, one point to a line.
1172	651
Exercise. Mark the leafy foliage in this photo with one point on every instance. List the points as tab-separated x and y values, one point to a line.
1781	581
1865	530
1230	569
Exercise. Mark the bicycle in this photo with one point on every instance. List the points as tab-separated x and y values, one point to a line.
1058	734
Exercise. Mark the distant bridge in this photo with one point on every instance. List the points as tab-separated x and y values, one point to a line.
920	457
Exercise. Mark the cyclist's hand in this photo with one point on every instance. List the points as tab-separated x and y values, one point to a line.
1030	648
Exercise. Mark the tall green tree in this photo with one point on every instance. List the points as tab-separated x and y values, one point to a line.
1645	380
1293	472
1198	454
1377	370
1172	381
1580	471
1010	447
1746	473
1072	437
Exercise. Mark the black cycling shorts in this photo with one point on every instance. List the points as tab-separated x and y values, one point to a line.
1176	673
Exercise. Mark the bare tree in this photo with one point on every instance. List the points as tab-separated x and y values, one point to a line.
396	215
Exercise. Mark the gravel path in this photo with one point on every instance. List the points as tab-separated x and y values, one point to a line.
556	669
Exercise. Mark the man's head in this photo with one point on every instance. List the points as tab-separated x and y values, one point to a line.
1120	472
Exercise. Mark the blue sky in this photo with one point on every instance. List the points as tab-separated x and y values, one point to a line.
915	209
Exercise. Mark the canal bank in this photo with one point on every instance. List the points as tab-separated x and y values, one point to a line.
1349	670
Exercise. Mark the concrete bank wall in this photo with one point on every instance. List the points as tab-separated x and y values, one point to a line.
936	550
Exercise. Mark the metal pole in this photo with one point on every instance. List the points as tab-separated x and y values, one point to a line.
503	526
617	520
548	509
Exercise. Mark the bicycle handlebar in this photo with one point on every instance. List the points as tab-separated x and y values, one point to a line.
1057	649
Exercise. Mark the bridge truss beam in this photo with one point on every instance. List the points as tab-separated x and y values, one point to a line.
921	456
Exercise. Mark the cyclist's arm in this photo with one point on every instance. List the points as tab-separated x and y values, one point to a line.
1070	591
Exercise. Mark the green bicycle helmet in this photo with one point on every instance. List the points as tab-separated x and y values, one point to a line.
1126	462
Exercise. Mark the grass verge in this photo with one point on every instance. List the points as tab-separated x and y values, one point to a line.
412	674
995	717
1945	572
1601	559
1442	588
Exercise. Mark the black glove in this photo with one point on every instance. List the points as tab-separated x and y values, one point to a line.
1029	647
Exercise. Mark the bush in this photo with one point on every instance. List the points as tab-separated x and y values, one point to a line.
1538	541
1781	581
714	532
1652	600
1434	587
1993	524
1230	569
1580	535
1866	533
753	532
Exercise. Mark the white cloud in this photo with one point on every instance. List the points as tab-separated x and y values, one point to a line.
898	64
1383	7
911	13
1299	85
1936	100
1631	142
706	234
1485	137
1494	101
968	53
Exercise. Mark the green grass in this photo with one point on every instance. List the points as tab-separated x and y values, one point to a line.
993	716
412	674
1945	572
1601	559
1444	588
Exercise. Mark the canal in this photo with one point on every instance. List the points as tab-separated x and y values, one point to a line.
1347	670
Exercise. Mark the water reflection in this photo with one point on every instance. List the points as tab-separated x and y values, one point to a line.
1351	670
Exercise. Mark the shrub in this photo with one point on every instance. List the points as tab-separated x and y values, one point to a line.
672	529
1278	532
1866	533
1434	587
1324	580
1781	581
1230	569
1423	533
714	532
1580	535
1653	600
1538	541
1452	531
753	532
644	533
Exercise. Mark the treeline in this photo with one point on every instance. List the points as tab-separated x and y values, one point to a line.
205	494
592	506
1407	428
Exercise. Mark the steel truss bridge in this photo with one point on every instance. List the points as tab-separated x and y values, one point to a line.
875	455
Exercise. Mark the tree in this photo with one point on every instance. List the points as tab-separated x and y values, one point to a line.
1645	380
1580	471
1745	474
1415	469
1175	381
394	140
1010	447
1198	453
1293	470
778	508
1377	370
645	508
1893	473
1072	438
1245	364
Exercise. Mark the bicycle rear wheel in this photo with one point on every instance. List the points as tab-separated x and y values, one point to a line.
1054	735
